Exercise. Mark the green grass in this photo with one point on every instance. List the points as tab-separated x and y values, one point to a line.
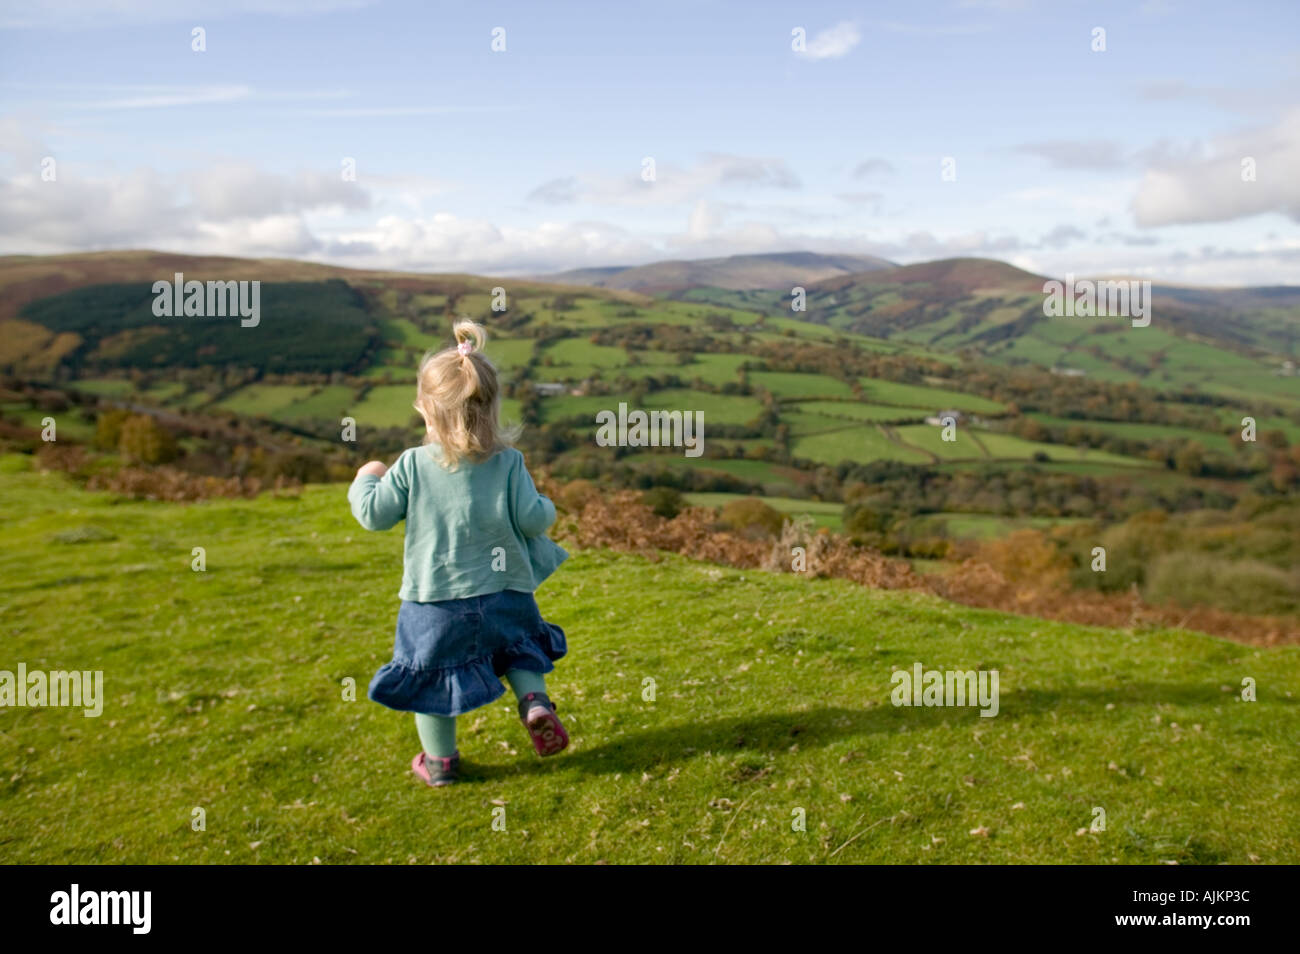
1144	431
824	513
580	351
329	403
712	369
509	353
760	471
264	400
1010	446
983	526
717	408
67	424
224	690
853	411
387	405
891	392
786	384
862	444
510	410
588	406
929	437
402	332
105	387
1232	418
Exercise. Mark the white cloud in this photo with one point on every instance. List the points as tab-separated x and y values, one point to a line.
673	184
1091	154
394	221
243	191
1212	189
265	235
705	221
833	42
445	242
160	97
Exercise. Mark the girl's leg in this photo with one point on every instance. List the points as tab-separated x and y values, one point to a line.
523	682
538	712
437	734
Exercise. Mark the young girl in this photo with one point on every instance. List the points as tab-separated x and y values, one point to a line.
475	551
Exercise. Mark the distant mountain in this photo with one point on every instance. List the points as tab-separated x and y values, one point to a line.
779	270
1243	343
950	275
1241	336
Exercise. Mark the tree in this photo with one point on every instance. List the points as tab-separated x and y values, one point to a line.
753	516
1190	459
144	440
108	429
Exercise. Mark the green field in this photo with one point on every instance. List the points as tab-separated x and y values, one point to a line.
717	408
225	691
759	471
929	437
823	513
912	395
861	444
1010	446
789	385
328	403
1143	432
264	400
387	405
853	411
509	353
982	526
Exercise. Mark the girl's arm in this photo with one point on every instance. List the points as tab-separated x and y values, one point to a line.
534	513
378	495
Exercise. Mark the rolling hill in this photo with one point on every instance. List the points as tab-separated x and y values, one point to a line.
779	270
852	384
1232	342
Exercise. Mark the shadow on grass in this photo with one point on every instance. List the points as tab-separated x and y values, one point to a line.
773	732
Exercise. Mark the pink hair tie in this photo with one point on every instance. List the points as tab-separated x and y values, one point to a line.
464	348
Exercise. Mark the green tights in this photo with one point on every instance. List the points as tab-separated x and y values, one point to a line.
438	733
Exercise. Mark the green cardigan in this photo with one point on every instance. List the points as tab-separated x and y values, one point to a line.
476	530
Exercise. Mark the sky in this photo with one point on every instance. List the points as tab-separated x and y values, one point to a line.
528	138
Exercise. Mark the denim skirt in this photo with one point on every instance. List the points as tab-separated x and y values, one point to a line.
449	656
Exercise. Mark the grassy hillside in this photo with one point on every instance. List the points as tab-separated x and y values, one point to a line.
1227	342
224	691
738	273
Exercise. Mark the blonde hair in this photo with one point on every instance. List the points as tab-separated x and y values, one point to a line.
459	397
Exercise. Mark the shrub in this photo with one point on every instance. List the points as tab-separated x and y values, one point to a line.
574	495
752	516
665	502
1026	557
1244	586
304	466
108	429
145	440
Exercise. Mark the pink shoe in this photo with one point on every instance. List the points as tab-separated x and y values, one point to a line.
436	772
537	712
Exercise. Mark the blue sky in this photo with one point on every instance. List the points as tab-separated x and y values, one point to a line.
529	160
